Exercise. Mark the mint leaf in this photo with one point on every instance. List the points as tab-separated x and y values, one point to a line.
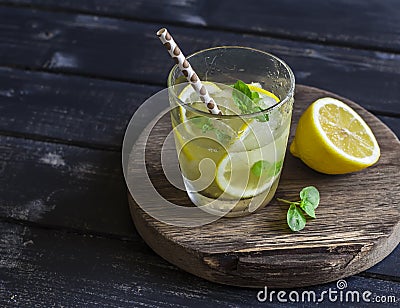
205	124
308	203
263	117
259	167
295	218
247	101
278	167
262	166
222	137
255	97
206	127
242	97
243	88
310	196
309	200
202	123
308	208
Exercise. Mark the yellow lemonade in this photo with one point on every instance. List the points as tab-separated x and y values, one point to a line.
231	164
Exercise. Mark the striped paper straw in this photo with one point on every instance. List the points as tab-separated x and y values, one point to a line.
187	70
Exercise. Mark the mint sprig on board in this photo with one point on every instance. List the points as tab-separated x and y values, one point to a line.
247	100
309	200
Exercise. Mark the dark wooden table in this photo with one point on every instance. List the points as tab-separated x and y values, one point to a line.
72	73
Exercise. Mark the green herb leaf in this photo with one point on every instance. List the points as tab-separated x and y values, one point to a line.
308	208
222	137
262	118
309	200
247	101
242	96
310	196
243	88
295	218
278	167
202	123
259	167
255	97
205	124
262	166
308	203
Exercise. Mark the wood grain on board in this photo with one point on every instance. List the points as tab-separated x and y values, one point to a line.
357	225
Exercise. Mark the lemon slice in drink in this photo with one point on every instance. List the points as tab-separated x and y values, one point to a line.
332	138
223	97
239	129
234	174
244	173
189	96
222	94
256	87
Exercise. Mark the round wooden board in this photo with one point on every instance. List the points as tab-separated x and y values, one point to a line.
357	225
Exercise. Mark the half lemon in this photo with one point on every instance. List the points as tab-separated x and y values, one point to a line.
332	138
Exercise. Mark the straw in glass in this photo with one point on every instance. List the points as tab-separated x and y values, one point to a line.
187	70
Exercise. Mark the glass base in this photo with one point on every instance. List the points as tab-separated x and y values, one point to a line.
239	208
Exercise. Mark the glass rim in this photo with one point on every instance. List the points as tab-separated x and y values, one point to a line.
286	99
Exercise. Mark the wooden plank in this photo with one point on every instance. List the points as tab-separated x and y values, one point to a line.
74	109
108	48
63	186
352	23
42	268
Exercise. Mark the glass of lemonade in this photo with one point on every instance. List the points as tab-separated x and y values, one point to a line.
231	163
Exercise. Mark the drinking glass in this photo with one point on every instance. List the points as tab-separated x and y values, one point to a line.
231	163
